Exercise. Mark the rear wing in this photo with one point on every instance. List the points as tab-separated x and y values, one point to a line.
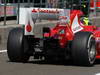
28	16
41	13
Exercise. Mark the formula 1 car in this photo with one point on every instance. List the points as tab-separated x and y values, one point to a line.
69	39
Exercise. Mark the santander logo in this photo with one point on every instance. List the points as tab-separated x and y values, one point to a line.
45	11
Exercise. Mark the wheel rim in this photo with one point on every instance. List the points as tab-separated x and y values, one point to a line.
91	50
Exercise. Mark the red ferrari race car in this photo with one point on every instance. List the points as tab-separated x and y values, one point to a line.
71	38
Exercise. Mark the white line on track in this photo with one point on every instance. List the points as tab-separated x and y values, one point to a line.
3	51
97	74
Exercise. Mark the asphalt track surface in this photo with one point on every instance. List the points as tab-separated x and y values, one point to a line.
38	67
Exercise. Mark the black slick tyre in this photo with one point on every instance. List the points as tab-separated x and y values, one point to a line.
83	49
17	46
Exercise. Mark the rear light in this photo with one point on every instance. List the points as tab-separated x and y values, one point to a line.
46	35
29	28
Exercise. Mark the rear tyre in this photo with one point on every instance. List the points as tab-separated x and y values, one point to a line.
17	46
83	49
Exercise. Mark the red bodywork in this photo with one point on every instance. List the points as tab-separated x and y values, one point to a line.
65	34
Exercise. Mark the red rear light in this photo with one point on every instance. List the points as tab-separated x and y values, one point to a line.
29	28
46	35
